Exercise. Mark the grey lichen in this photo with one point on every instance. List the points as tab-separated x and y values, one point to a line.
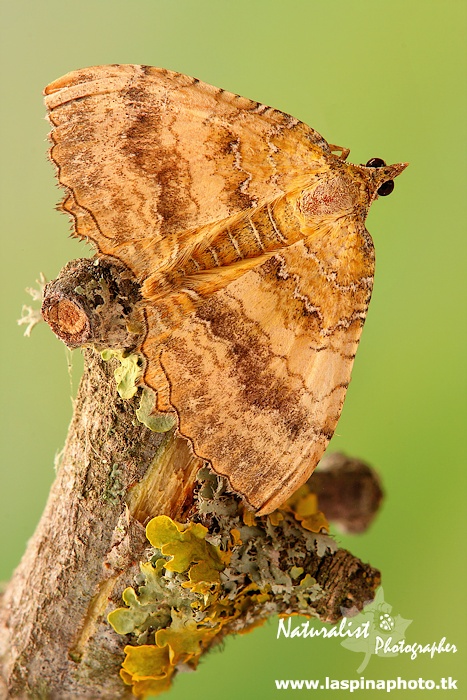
114	488
266	570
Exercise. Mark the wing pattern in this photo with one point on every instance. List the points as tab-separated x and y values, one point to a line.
247	236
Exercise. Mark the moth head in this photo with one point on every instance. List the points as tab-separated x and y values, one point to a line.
346	190
380	177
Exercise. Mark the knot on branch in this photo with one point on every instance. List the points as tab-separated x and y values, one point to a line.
349	491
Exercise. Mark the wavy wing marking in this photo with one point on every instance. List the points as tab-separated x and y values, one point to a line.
145	154
259	373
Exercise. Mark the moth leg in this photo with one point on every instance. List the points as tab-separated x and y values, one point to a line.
344	152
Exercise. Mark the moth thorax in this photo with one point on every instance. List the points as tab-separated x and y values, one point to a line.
329	197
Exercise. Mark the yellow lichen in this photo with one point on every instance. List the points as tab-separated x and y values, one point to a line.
127	374
182	604
184	638
186	544
303	504
149	668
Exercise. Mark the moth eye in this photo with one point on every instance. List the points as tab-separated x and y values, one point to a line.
375	163
386	188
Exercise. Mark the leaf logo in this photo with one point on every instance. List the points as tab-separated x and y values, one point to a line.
382	624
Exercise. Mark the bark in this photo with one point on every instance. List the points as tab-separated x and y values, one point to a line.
114	475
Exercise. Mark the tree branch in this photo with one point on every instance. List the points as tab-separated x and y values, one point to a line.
114	475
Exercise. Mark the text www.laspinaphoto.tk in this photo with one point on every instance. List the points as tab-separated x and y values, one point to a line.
386	685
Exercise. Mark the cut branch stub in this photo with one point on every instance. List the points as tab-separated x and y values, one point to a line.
94	302
67	319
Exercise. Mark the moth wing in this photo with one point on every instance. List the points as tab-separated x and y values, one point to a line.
259	373
147	155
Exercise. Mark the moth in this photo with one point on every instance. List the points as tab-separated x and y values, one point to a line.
246	232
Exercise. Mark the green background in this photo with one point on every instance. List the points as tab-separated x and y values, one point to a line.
383	78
